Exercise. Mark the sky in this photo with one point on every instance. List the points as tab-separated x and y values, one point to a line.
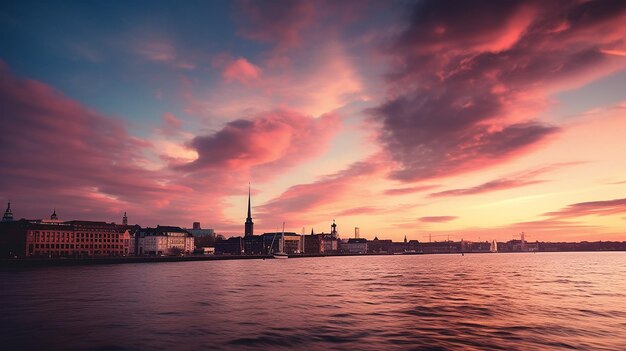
474	120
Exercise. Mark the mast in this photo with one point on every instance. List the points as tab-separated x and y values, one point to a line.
282	240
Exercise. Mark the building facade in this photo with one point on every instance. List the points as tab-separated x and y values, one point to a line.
230	246
354	246
76	238
163	240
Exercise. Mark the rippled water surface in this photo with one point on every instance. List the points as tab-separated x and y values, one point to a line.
543	301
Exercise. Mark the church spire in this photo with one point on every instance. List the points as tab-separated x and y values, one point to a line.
125	219
249	211
8	214
249	226
54	215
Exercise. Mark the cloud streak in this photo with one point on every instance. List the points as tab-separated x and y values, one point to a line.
591	208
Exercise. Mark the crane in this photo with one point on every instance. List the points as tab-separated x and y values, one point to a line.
430	236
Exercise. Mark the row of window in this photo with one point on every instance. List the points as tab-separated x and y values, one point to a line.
71	246
46	239
80	235
71	253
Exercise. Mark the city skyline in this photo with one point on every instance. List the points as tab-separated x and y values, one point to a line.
398	118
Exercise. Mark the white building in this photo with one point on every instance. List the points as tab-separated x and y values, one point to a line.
163	240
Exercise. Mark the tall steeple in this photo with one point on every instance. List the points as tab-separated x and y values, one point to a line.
125	219
249	226
333	229
54	215
8	214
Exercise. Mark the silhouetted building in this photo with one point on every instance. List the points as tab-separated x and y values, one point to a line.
8	214
230	246
253	245
13	238
291	242
249	226
125	219
354	245
443	247
333	229
313	244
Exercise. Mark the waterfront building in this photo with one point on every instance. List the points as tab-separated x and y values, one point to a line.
331	243
448	247
272	241
164	240
393	247
380	246
8	214
13	238
313	244
76	238
197	231
354	246
230	246
253	245
322	243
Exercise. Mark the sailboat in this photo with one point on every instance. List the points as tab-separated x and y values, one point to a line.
281	246
494	247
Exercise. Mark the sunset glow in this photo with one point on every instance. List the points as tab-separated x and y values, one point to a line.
400	118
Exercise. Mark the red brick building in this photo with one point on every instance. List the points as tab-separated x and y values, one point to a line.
77	238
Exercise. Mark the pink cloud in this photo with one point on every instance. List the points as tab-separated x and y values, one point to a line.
170	125
364	210
437	219
268	142
61	153
410	190
463	89
518	180
303	200
595	208
241	70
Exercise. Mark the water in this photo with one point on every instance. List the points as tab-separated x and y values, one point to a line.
543	301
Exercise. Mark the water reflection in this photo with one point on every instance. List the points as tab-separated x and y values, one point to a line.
489	301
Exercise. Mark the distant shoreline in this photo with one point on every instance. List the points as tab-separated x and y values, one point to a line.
58	262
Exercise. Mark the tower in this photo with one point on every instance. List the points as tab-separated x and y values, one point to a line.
8	214
249	226
405	241
333	229
54	216
125	219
